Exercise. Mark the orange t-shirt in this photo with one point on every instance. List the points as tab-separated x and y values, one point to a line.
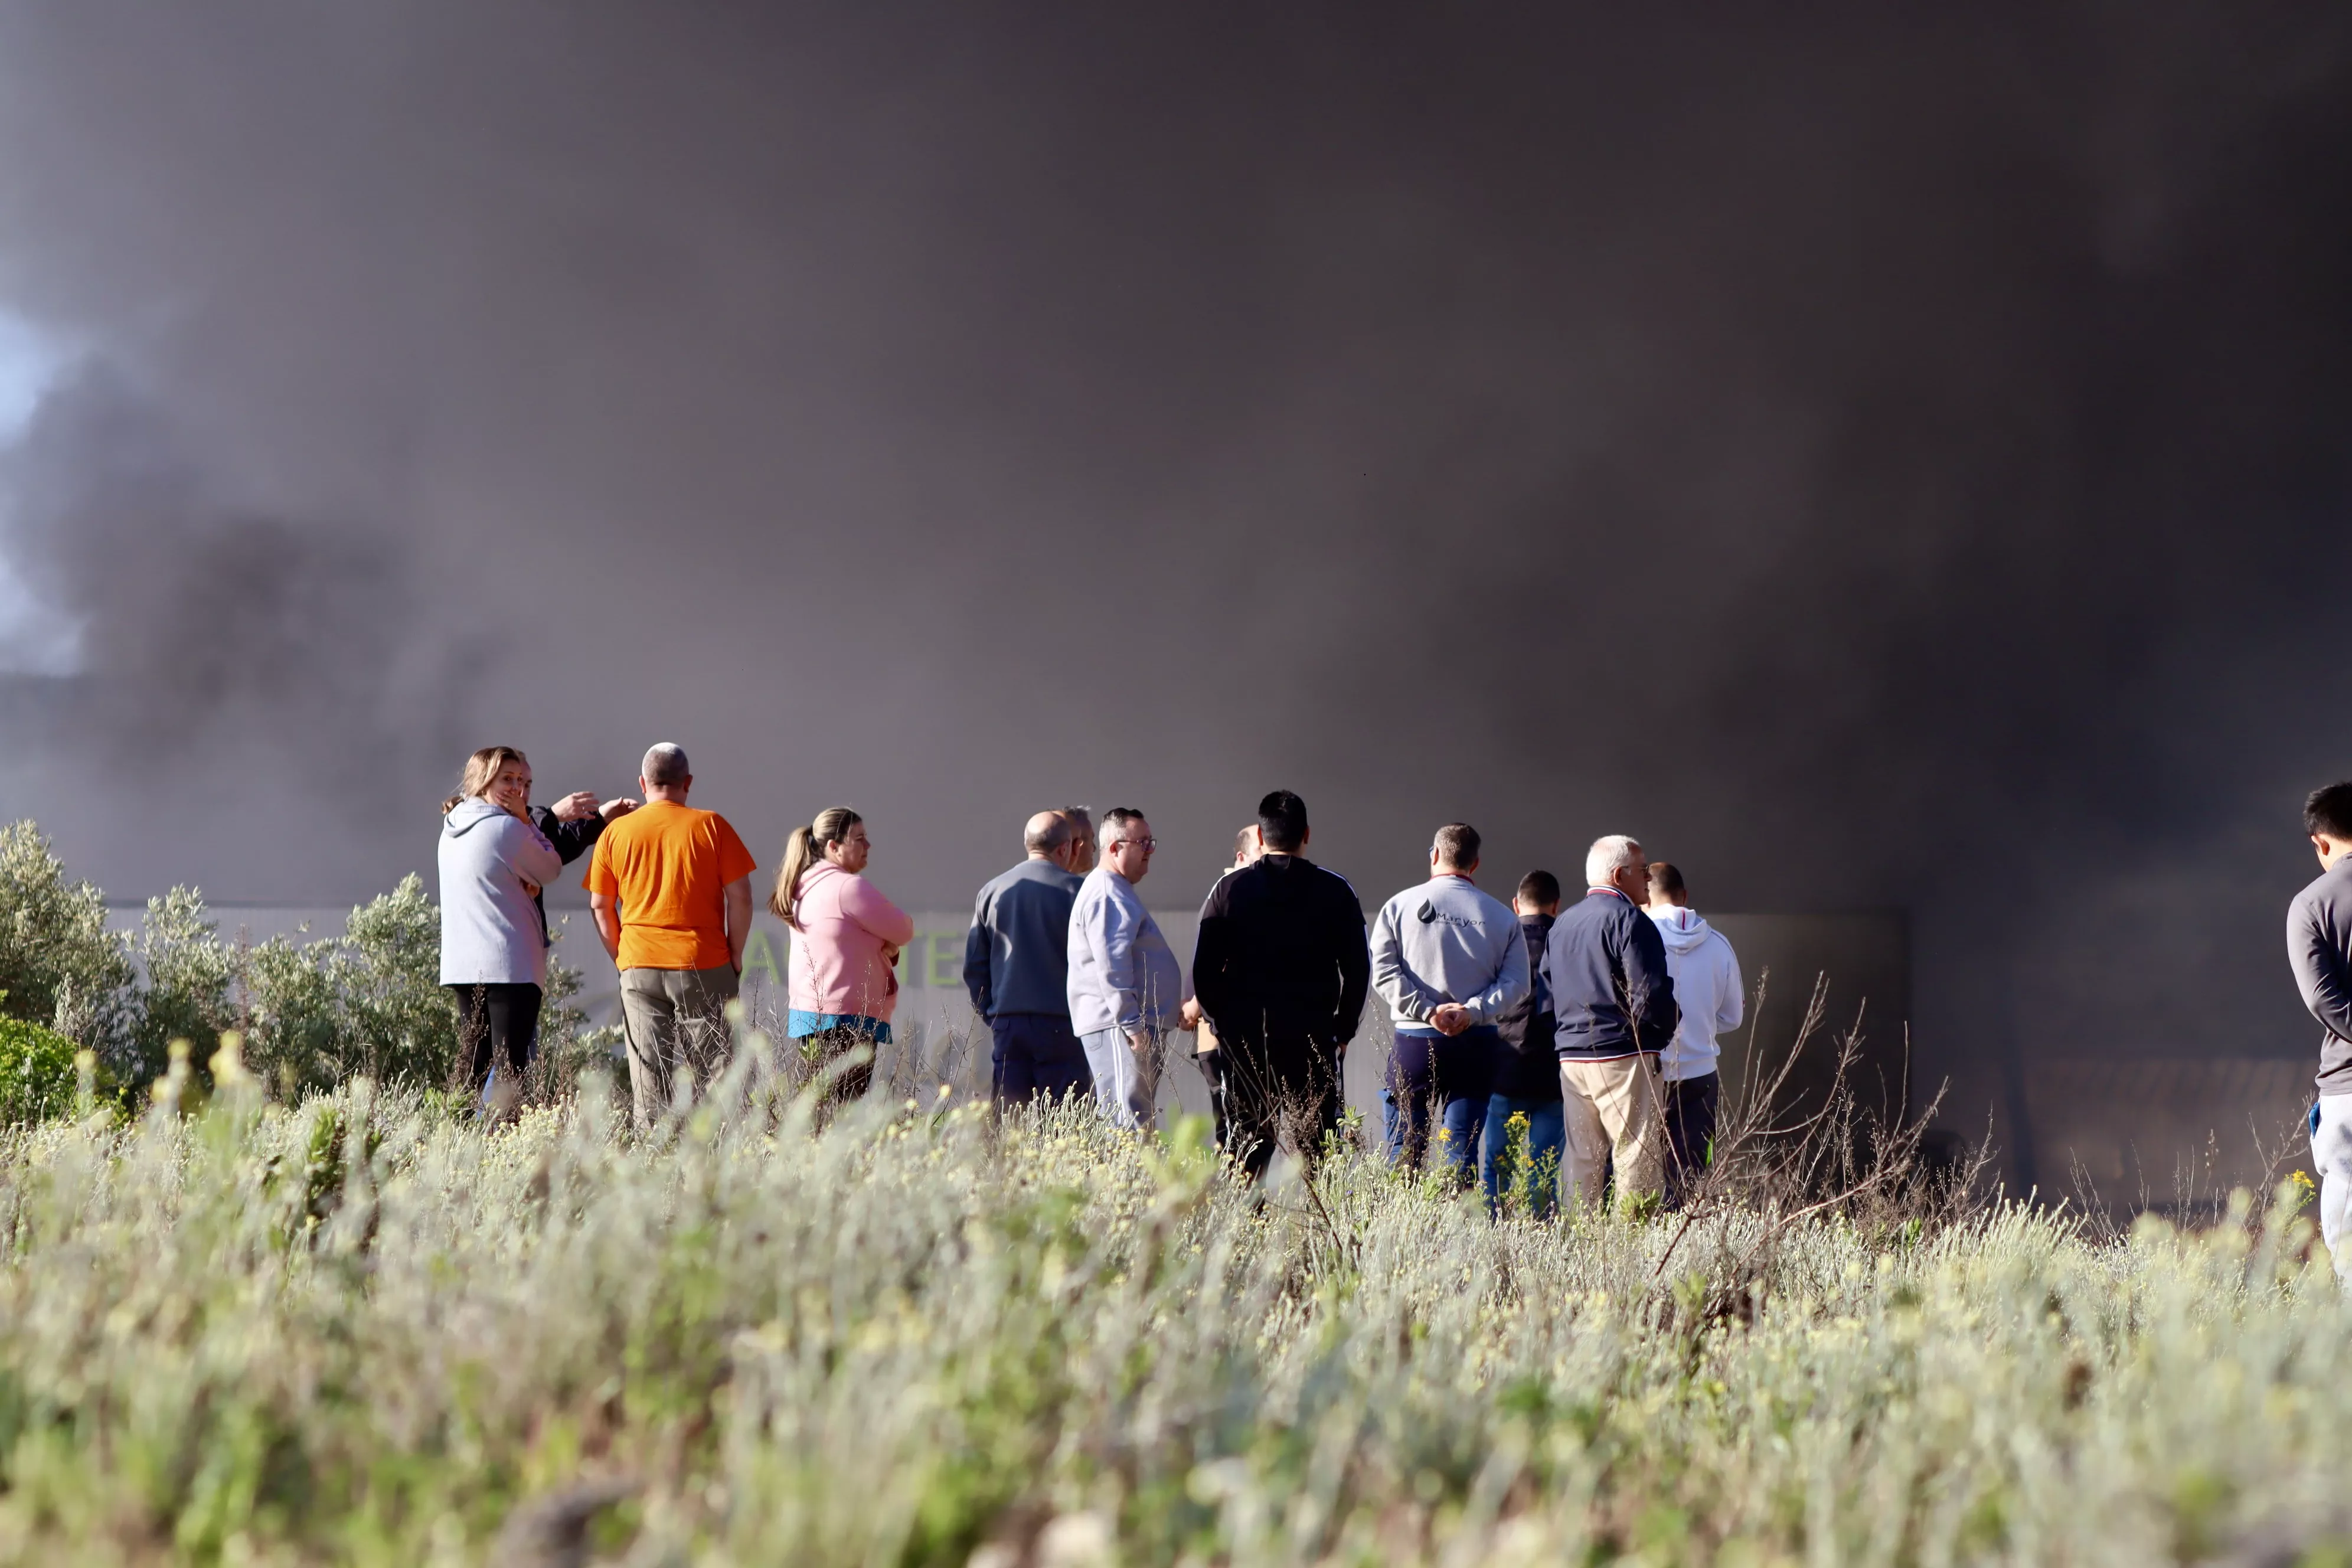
668	866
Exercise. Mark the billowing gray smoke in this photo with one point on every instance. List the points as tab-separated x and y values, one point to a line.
230	671
1878	458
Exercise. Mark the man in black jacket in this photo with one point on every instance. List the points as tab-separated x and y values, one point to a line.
1614	1006
1281	969
1527	1069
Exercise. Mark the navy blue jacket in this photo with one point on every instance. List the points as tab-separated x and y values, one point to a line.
1611	993
1525	1068
1016	957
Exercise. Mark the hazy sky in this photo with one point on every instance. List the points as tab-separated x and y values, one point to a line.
1879	458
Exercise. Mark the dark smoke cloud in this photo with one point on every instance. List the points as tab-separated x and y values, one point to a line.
235	674
1881	458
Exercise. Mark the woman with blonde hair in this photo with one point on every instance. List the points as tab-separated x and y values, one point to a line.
494	861
843	982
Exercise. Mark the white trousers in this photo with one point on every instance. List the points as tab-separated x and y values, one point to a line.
1125	1086
2331	1156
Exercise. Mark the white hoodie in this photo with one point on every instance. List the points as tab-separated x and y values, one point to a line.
1707	984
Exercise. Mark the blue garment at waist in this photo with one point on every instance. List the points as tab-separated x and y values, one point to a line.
799	1024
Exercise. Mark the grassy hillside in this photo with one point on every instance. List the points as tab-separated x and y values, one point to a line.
363	1329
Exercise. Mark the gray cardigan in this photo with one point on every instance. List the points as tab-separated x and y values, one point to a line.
491	929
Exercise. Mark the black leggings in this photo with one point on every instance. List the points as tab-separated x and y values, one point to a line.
496	1022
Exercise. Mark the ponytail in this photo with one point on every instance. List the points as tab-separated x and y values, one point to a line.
804	847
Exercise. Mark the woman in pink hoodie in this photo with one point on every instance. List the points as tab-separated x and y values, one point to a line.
844	984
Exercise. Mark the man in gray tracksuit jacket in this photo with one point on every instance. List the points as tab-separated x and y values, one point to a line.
2320	947
1125	986
1449	961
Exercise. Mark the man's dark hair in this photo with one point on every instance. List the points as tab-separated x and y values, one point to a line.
2329	811
1115	821
1539	887
1457	845
1666	879
1282	820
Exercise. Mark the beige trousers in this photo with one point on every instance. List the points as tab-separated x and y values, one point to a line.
675	1020
1615	1110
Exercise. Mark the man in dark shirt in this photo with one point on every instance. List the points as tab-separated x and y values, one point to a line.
1281	968
2320	947
1205	1055
1613	1009
1527	1072
1016	964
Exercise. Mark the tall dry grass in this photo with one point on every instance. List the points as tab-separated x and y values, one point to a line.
363	1329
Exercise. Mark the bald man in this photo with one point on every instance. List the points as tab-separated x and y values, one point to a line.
1016	964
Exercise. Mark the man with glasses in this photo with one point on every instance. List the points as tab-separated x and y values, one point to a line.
1125	987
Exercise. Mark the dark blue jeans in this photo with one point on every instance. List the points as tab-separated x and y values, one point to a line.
1452	1075
1036	1056
1536	1171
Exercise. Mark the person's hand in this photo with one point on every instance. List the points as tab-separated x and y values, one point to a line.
574	807
612	809
1451	1018
1188	1017
1139	1042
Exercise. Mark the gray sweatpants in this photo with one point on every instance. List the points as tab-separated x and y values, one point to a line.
675	1018
1125	1084
2331	1156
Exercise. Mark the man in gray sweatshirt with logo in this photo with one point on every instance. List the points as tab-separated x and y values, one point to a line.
1449	961
2319	946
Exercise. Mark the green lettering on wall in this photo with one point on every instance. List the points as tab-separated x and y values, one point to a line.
759	955
946	968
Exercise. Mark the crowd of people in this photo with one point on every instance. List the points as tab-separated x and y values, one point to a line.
1591	1027
1583	1035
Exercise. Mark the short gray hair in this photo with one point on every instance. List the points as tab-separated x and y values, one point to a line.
664	764
1608	855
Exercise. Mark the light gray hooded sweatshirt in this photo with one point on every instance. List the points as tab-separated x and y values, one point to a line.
491	933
